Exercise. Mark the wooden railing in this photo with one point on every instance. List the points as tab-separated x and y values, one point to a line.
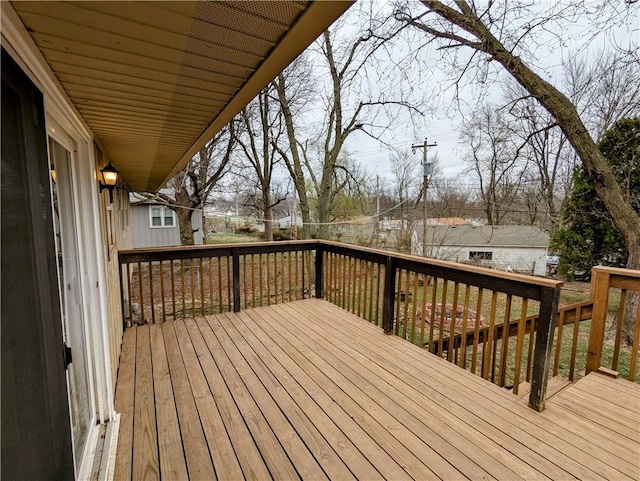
606	283
179	282
434	304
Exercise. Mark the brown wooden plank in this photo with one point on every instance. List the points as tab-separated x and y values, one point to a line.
298	454
312	439
224	458
301	387
199	463
270	448
145	436
574	452
623	443
247	453
376	404
589	432
433	414
172	462
607	383
124	404
418	418
393	457
570	403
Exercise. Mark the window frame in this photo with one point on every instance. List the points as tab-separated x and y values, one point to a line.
163	216
480	255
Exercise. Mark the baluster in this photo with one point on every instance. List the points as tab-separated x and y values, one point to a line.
398	295
200	262
522	323
463	332
454	319
505	342
489	344
618	339
164	313
443	314
432	315
476	330
559	329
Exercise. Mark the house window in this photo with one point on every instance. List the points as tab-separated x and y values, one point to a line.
161	216
480	255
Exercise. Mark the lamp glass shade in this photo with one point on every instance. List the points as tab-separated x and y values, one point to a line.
109	174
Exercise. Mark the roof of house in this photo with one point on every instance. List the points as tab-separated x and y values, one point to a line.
494	236
155	81
446	221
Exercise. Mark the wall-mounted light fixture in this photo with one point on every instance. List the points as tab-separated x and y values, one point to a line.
110	178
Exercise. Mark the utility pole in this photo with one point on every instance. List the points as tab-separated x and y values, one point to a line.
426	172
376	232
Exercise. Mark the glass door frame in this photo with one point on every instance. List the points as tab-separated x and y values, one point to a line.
56	133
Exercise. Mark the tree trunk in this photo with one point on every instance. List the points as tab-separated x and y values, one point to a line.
295	165
186	229
566	116
266	214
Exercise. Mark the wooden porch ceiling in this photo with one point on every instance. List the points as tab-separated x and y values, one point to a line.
156	80
307	390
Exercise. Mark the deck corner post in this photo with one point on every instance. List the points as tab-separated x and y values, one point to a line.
545	329
235	273
122	296
319	265
388	299
600	298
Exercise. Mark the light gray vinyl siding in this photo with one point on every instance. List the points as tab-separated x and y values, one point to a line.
146	236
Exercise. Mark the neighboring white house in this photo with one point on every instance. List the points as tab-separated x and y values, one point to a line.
156	225
509	248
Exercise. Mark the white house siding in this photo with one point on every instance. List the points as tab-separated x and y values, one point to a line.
115	222
525	260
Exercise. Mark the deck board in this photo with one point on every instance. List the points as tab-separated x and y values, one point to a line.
307	390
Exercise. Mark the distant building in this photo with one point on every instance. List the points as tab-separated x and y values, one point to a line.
156	225
288	221
509	248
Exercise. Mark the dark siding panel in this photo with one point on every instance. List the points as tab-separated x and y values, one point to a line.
36	435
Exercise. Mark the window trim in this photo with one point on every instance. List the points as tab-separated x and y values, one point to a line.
480	255
163	216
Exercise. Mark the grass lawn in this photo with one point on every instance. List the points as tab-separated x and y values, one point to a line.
230	238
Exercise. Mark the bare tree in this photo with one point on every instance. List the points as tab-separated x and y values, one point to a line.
347	99
494	161
500	32
191	187
405	185
450	199
262	128
604	87
294	89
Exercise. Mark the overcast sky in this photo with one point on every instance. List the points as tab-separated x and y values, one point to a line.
443	125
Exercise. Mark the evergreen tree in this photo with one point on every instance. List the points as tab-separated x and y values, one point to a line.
588	236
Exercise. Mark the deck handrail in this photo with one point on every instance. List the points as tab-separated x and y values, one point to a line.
603	280
200	268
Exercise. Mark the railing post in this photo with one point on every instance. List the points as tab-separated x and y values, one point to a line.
388	299
600	298
319	265
235	273
545	329
122	297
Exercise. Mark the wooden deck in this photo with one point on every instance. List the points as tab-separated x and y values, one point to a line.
307	390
